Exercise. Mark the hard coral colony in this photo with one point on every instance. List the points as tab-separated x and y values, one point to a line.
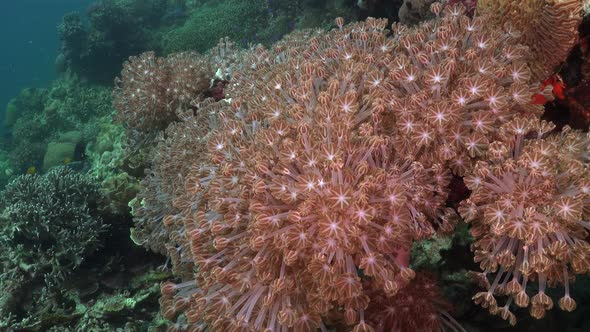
293	203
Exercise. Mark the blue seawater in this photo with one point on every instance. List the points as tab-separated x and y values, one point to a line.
29	43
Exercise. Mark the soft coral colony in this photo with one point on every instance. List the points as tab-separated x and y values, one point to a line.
292	204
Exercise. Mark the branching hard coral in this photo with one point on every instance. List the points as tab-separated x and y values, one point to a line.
528	212
47	113
43	211
548	27
49	224
94	46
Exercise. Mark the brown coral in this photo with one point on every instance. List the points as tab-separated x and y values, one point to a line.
332	152
530	200
548	27
187	117
304	191
446	92
151	90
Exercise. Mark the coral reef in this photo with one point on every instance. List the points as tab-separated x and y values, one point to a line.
333	153
95	46
11	113
58	154
6	171
236	19
252	22
112	166
301	180
50	224
47	114
53	276
115	30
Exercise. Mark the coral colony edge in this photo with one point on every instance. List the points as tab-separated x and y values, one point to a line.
291	204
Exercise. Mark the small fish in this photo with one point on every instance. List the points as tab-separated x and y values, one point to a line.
67	160
32	170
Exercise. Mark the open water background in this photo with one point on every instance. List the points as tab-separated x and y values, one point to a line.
29	43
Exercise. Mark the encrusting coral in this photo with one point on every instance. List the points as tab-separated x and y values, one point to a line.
294	206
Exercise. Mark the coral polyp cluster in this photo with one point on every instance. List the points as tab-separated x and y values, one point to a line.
292	204
548	27
450	84
300	191
422	296
528	208
152	89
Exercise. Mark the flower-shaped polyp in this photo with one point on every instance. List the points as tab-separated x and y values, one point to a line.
528	215
308	203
